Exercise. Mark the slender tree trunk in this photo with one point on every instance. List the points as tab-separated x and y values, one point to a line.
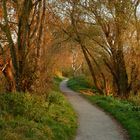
91	68
104	86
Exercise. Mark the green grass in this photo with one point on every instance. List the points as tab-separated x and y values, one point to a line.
126	112
79	83
33	117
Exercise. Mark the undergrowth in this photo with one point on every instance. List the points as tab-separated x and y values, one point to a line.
25	116
79	83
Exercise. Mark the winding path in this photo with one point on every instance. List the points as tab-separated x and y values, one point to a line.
94	124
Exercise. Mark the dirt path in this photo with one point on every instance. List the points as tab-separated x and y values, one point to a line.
94	124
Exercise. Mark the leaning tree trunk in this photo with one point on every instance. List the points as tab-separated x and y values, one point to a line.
91	68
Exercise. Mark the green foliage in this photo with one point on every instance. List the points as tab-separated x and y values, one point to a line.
54	98
57	80
81	83
78	83
32	117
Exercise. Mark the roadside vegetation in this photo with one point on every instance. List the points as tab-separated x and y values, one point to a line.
25	116
127	112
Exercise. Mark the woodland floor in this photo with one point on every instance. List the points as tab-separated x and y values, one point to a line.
94	124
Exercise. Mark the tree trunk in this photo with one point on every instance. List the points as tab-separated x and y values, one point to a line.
91	68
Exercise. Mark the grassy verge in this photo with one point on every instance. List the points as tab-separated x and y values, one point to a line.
32	117
78	83
126	112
